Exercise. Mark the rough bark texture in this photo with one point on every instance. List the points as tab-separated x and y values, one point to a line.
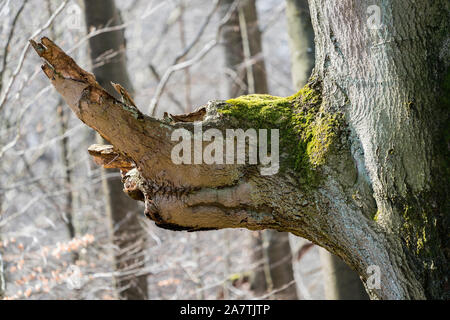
363	169
388	82
341	283
109	65
274	269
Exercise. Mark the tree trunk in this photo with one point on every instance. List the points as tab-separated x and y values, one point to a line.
363	152
243	50
109	64
341	283
63	121
2	269
2	278
244	58
387	77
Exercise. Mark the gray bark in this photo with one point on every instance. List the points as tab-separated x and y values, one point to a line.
122	210
274	263
387	79
341	283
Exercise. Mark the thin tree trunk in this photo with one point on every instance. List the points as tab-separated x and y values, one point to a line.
2	268
109	63
187	72
243	55
63	120
2	278
363	167
235	59
341	282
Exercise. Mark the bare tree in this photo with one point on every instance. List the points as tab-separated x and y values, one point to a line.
109	64
363	168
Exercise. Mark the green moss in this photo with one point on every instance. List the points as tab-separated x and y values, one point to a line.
307	131
238	276
419	229
376	215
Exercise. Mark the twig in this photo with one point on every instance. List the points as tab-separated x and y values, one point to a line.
97	32
199	34
25	51
10	36
169	93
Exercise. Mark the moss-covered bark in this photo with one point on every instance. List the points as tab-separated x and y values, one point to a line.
308	132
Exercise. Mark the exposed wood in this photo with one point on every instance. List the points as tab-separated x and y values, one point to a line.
197	115
106	156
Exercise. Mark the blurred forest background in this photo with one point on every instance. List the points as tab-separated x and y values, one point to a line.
67	231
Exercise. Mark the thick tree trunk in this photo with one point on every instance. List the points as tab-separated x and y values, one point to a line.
386	75
363	167
109	64
244	57
341	283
